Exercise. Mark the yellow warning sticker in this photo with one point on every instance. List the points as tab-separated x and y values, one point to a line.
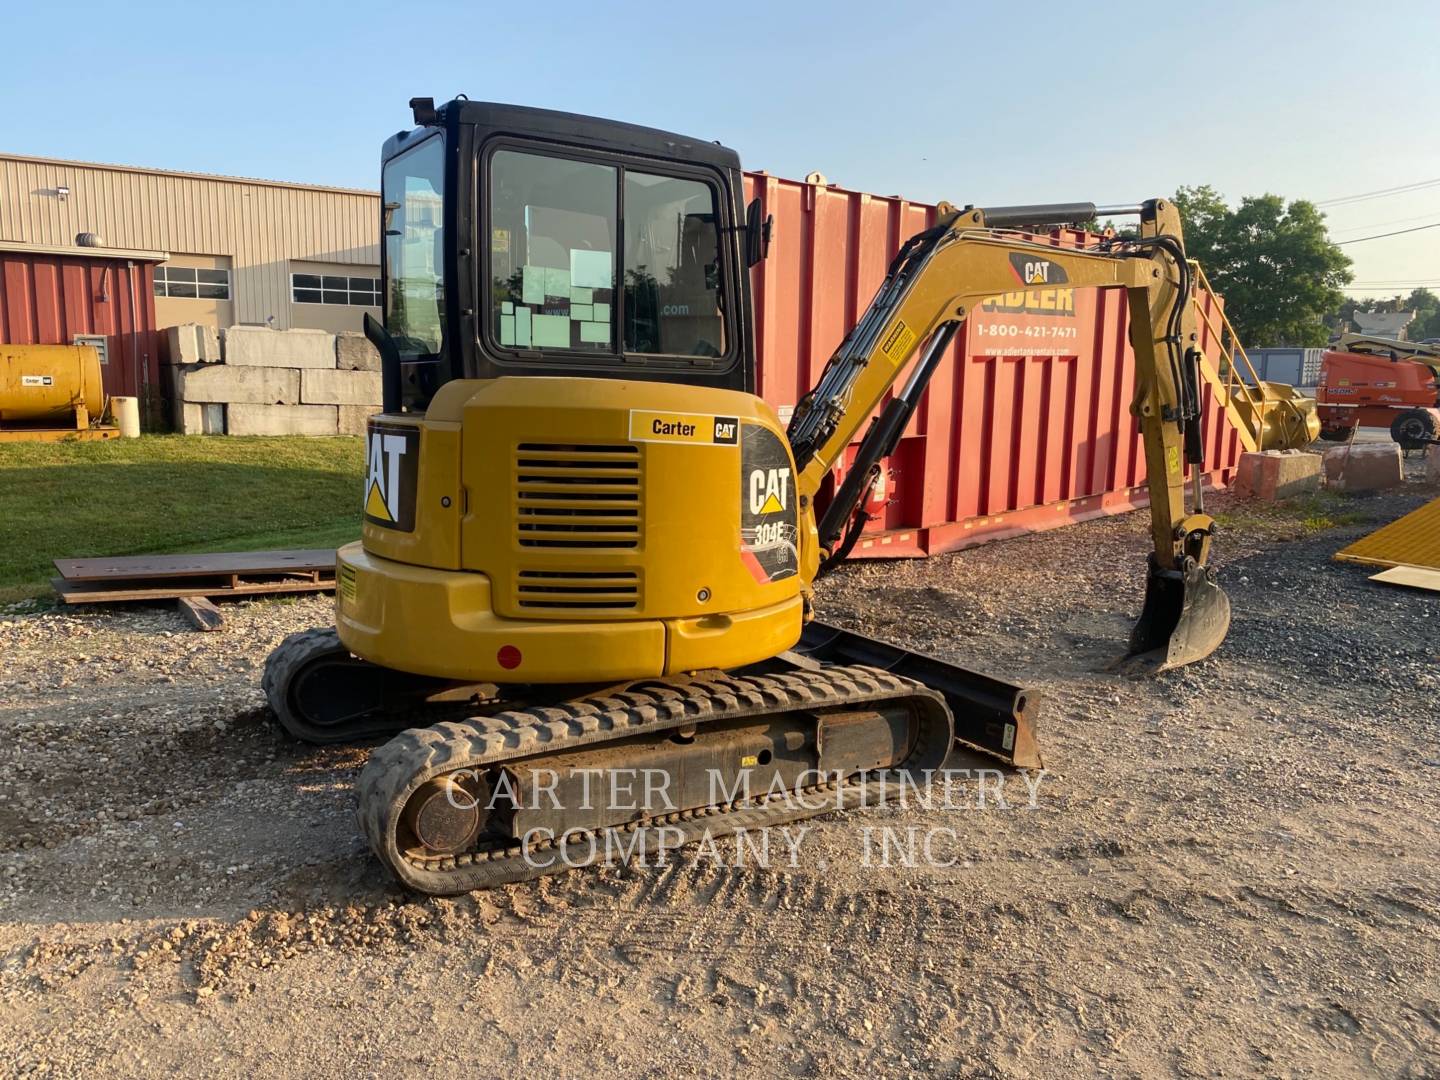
896	344
749	761
348	586
1172	458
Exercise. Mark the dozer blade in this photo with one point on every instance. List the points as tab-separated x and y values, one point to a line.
1185	618
991	715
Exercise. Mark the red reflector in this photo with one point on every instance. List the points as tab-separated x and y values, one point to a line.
509	657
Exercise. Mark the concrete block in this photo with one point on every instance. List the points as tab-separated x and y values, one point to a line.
353	418
1364	467
199	419
259	346
1432	465
340	387
281	419
248	385
186	420
193	343
353	352
1277	474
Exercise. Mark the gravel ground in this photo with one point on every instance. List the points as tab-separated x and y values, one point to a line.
1228	870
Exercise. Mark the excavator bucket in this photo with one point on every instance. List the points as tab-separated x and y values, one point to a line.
1185	618
1290	419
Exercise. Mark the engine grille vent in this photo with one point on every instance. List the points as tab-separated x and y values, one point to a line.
586	590
581	496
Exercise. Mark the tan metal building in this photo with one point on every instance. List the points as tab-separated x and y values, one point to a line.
234	250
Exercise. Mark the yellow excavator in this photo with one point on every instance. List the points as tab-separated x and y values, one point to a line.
589	548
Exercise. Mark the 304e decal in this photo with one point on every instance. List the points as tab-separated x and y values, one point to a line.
769	517
392	467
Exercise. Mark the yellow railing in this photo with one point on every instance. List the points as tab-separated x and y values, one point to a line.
1267	416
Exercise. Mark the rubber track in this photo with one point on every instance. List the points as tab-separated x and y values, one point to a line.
398	768
285	663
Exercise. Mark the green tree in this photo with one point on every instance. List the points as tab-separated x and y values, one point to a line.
1426	306
1274	264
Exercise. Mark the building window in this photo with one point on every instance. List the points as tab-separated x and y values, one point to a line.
332	289
192	282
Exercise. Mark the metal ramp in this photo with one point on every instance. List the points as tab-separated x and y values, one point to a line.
1413	540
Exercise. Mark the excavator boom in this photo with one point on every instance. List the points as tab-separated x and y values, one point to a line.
935	282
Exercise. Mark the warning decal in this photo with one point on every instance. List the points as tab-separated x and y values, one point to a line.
392	468
769	529
348	587
896	344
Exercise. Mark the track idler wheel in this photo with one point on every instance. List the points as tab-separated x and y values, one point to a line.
446	815
1185	618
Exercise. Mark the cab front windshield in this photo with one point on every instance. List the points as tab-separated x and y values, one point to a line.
413	193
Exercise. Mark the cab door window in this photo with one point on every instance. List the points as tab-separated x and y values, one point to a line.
672	267
552	252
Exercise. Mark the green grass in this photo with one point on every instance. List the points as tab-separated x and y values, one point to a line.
170	493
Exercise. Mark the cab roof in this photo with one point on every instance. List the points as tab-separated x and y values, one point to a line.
498	118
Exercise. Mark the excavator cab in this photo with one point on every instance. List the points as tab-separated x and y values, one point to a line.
568	246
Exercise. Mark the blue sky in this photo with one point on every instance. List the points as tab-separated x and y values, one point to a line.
997	103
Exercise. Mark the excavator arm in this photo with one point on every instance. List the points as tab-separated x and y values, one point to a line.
936	280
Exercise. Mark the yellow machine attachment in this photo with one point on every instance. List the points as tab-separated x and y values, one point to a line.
1288	419
936	281
606	562
1266	415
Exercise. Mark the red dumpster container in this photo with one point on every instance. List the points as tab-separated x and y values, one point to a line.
1027	427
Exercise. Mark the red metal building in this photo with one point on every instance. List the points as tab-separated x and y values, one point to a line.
1027	427
52	296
